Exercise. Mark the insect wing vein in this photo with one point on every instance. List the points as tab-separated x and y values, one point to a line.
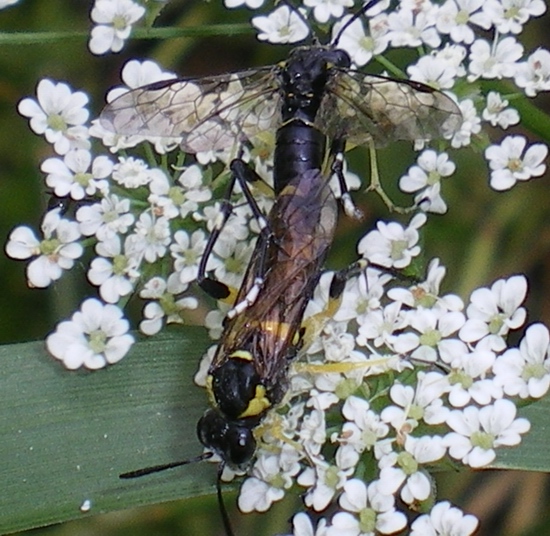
360	107
206	114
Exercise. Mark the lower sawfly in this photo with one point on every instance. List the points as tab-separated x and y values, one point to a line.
247	376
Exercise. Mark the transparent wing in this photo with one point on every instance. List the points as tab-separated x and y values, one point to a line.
359	107
210	113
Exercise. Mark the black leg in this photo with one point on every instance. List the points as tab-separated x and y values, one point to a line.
242	173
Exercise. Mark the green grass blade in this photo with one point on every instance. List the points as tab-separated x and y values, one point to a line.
66	436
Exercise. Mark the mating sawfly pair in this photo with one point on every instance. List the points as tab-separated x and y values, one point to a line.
316	104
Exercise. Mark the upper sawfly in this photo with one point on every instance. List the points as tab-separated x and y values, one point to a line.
216	113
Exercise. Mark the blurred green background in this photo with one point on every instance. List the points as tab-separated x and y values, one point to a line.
484	236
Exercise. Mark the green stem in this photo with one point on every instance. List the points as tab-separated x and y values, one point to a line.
31	38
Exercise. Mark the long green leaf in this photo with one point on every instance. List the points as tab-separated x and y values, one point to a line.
66	436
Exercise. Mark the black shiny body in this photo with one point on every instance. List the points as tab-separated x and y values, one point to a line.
268	333
300	146
301	225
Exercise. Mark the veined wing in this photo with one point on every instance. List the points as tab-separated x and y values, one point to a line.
302	222
359	107
210	113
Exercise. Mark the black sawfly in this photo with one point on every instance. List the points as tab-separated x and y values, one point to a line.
316	103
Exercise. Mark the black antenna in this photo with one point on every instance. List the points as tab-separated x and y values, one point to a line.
354	17
158	468
205	456
221	503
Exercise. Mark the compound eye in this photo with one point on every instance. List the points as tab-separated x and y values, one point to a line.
234	443
341	58
240	445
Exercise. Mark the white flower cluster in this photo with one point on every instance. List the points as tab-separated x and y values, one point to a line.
147	224
381	409
453	55
401	378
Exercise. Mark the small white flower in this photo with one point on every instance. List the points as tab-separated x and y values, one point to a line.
379	326
497	113
453	55
105	219
59	114
235	229
433	71
233	258
113	272
471	124
468	379
324	480
114	19
362	295
187	252
323	10
362	430
136	74
510	164
183	198
362	46
151	238
444	520
488	61
405	469
266	484
534	74
73	177
281	26
413	405
55	253
477	432
426	294
525	372
408	28
374	511
391	245
431	168
454	17
167	309
509	16
434	327
313	427
96	336
131	172
493	312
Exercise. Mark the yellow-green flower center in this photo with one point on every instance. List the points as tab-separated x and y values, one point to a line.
408	464
49	247
483	440
83	178
97	341
367	520
56	122
430	338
